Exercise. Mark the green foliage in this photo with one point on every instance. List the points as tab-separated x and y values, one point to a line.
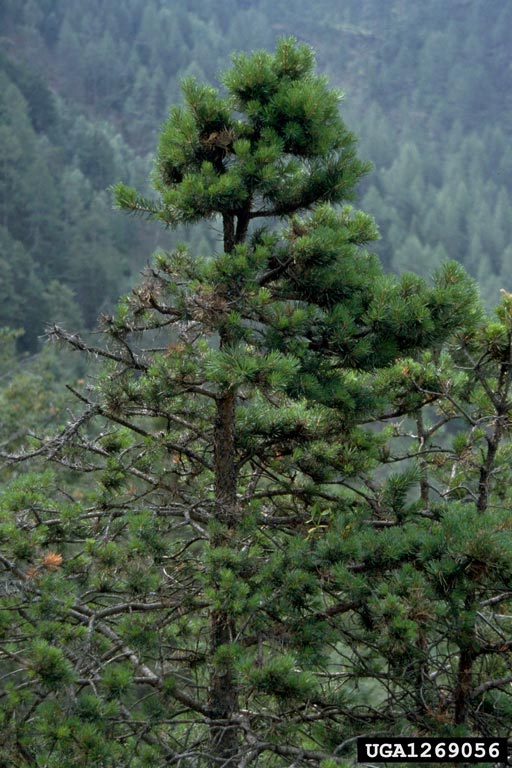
50	666
155	602
116	680
54	236
440	190
283	680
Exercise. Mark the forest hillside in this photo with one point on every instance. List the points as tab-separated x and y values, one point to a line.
86	87
255	494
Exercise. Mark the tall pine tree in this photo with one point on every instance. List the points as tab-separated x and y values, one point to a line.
187	604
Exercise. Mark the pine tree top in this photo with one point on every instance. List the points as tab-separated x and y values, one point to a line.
271	145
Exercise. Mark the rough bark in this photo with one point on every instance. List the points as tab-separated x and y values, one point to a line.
223	689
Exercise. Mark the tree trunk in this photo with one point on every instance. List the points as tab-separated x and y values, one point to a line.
463	689
223	694
223	688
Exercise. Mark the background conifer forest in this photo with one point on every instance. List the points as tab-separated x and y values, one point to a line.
255	379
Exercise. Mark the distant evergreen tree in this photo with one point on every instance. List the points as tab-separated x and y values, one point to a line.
55	168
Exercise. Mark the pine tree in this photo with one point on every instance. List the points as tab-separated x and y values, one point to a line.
190	604
438	582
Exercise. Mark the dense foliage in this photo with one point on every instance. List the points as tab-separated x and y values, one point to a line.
86	88
277	517
281	517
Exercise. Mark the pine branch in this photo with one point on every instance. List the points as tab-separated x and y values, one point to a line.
55	333
88	617
127	199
